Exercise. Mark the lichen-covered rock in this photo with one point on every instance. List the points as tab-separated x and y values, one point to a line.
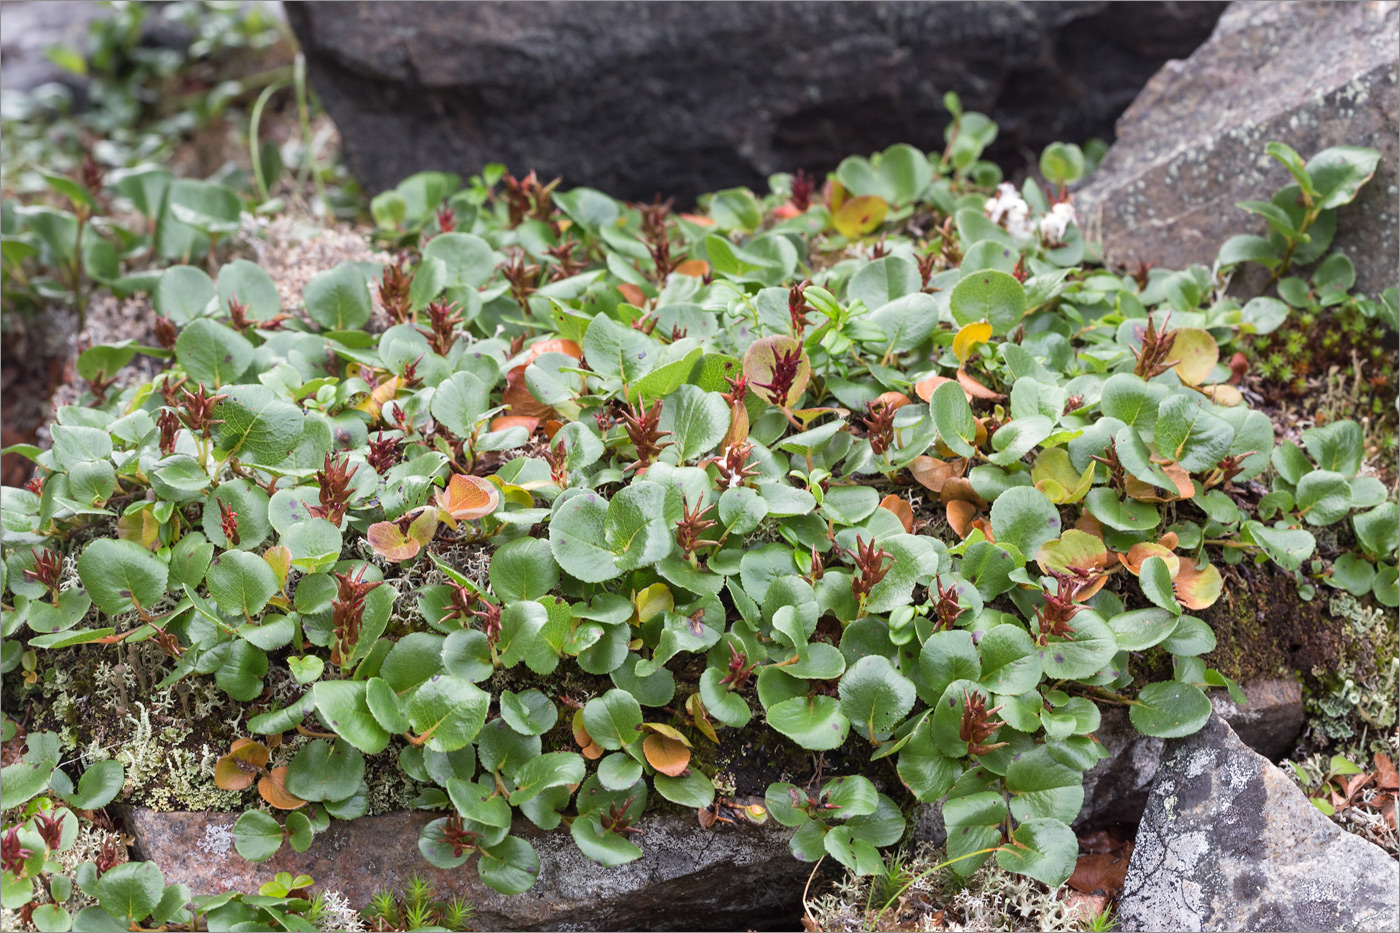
1229	843
683	98
1309	74
689	878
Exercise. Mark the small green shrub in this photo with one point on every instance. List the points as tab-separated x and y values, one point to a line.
861	462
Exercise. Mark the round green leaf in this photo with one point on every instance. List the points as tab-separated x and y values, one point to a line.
816	723
247	283
213	354
98	786
258	426
613	719
241	582
1044	849
523	569
510	867
338	299
1025	519
121	574
322	771
1170	710
991	296
691	789
132	890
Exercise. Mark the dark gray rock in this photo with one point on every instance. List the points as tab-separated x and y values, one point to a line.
683	98
30	28
1116	789
726	878
1309	74
1229	843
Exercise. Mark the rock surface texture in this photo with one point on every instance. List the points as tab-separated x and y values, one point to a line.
683	98
679	883
1309	74
1116	789
1229	843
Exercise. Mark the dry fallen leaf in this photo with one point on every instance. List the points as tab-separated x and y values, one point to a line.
901	509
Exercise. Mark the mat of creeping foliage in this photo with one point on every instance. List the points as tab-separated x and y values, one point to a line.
888	465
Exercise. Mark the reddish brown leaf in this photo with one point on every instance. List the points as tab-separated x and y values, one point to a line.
1101	872
1386	777
901	509
667	755
514	421
960	516
976	389
634	295
273	788
932	473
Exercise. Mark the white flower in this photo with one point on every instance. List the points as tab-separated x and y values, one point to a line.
1010	207
1054	224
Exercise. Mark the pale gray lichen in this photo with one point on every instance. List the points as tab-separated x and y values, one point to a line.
991	899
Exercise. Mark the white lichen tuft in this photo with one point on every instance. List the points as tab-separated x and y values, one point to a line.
337	914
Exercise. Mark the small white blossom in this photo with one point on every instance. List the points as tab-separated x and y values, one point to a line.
1054	225
1011	211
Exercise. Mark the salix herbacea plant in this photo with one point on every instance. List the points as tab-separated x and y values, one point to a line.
859	465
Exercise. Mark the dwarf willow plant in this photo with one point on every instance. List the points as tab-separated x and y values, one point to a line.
884	465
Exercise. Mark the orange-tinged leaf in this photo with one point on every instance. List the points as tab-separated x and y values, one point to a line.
901	509
140	526
1139	553
969	336
699	219
1169	540
591	749
859	216
634	295
1386	776
385	391
1178	475
393	543
695	268
960	488
786	211
1089	524
667	755
519	401
896	400
554	345
924	388
514	421
960	516
976	389
738	426
1074	549
1101	873
1197	588
273	788
279	558
932	473
236	770
760	362
468	497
